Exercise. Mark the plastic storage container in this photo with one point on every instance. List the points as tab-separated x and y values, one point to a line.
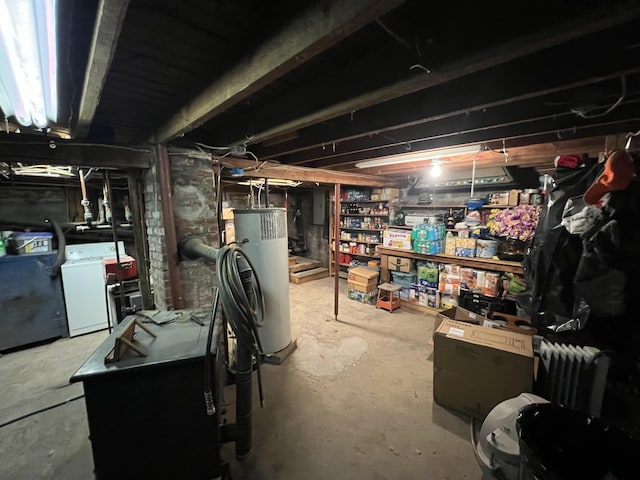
404	279
29	242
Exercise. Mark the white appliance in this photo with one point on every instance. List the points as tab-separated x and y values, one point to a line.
83	280
266	232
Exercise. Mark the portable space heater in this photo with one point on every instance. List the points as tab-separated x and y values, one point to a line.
572	376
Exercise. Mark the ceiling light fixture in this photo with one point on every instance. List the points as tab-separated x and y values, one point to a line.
436	168
28	61
420	156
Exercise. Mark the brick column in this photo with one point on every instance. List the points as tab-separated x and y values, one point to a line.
194	200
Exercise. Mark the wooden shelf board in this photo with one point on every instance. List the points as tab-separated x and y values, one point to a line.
361	201
420	308
363	229
360	241
364	214
439	207
477	262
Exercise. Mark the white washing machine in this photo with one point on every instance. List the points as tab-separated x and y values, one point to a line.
83	280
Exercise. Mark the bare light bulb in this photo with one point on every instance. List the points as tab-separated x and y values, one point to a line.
436	170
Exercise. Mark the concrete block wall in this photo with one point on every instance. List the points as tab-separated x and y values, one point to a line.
194	208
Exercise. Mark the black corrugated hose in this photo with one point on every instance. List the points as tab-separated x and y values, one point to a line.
243	307
208	360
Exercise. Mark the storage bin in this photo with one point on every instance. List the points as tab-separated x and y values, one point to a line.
29	242
404	279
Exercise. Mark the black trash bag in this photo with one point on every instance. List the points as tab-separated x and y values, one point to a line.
557	443
597	281
551	261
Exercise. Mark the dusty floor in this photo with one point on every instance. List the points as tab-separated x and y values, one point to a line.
353	402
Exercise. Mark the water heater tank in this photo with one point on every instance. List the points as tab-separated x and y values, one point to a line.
267	248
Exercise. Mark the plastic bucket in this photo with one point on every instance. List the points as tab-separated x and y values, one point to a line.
486	248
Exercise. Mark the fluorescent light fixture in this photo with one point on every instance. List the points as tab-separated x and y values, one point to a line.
419	156
28	61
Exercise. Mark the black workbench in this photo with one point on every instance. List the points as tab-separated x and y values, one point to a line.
147	416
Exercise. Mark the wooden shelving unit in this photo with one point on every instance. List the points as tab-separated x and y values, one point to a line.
383	214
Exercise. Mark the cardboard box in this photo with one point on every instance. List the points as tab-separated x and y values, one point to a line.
458	314
362	279
227	213
500	198
450	245
514	196
475	368
229	232
465	247
389	193
362	297
399	264
397	239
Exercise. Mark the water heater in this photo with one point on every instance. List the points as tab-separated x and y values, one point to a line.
265	230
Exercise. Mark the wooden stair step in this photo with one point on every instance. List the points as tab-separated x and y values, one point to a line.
308	275
303	264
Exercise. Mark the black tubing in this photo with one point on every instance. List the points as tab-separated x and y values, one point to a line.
62	244
214	325
243	306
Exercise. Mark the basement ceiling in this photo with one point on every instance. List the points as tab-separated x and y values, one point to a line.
340	82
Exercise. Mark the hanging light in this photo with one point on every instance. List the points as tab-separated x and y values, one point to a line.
28	61
436	168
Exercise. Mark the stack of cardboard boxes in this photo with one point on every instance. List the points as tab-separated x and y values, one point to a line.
363	284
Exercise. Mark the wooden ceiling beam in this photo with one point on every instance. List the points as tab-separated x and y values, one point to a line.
319	28
304	174
109	20
505	122
477	62
76	155
409	118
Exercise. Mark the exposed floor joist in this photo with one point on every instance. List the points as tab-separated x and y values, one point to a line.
456	69
317	29
394	121
303	174
109	20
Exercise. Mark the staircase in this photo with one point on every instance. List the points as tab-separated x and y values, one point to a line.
303	270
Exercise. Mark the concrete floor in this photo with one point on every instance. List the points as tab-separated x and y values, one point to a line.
354	401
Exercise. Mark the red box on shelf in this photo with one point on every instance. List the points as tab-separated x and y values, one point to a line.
128	264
